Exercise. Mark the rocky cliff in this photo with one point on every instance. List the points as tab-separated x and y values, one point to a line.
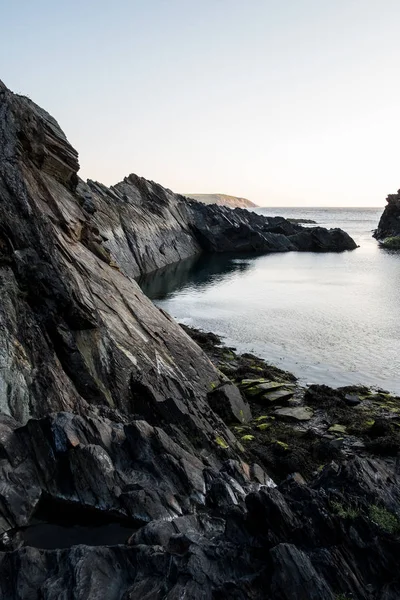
119	476
389	224
143	226
222	200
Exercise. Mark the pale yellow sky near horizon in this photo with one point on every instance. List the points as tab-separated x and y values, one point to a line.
286	104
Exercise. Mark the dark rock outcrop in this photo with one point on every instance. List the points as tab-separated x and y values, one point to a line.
117	479
219	229
319	239
302	221
146	227
229	404
389	224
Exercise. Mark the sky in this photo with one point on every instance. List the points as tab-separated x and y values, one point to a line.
287	103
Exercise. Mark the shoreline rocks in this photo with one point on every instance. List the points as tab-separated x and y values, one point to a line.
106	421
388	230
302	221
301	428
145	227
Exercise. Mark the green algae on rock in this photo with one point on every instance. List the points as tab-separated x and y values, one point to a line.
391	243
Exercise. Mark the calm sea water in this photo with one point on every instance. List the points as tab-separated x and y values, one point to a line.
328	318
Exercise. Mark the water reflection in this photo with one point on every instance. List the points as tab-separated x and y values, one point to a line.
195	273
328	318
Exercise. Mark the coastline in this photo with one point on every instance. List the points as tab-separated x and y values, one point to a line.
300	311
112	414
304	428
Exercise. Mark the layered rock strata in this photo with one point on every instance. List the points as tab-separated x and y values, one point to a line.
145	227
119	475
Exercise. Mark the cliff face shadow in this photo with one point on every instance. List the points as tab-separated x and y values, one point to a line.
198	271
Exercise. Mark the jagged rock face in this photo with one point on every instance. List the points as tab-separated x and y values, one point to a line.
283	543
75	329
144	224
126	470
389	224
146	227
219	229
103	397
117	479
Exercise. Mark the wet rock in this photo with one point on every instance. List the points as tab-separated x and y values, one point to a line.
270	514
298	478
253	388
391	243
352	399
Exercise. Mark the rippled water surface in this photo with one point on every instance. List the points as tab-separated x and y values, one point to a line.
329	318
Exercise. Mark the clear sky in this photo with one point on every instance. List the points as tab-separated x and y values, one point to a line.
285	102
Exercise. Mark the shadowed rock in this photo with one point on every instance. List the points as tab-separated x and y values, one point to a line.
105	419
146	227
389	223
229	404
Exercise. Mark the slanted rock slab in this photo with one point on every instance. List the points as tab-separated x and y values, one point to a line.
297	413
258	387
337	428
266	383
276	396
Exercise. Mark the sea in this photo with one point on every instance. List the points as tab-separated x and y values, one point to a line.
329	318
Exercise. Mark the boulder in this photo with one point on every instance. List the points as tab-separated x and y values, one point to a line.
229	404
352	399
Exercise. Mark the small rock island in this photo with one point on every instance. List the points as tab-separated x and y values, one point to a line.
388	231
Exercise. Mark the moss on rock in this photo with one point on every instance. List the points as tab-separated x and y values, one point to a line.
392	243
